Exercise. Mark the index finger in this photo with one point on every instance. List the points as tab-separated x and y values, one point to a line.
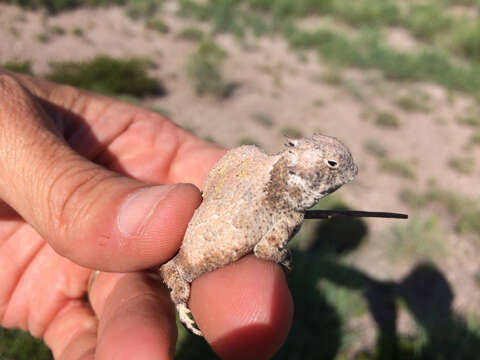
244	309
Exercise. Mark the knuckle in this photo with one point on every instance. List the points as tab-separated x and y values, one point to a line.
8	81
65	94
12	94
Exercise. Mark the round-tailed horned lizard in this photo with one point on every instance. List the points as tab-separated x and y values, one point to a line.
254	202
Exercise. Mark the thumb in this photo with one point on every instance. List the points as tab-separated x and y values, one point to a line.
88	214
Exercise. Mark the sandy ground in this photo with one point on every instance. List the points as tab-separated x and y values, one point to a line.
292	92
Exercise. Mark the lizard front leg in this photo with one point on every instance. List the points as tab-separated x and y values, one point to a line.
273	245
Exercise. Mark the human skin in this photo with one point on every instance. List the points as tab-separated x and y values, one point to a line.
78	175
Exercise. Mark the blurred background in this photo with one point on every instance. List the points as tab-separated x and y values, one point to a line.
397	81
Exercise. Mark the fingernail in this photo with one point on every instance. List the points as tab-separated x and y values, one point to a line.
139	206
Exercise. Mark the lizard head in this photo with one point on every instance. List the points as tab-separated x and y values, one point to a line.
318	166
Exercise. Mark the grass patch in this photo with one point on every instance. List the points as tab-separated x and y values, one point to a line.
78	32
255	23
462	211
475	139
56	30
463	165
387	120
466	40
397	168
291	132
191	33
109	76
135	8
371	12
204	68
425	20
470	120
275	71
23	67
14	31
375	148
223	14
43	37
369	52
364	51
318	102
417	102
49	33
19	345
158	25
332	76
417	239
354	90
263	119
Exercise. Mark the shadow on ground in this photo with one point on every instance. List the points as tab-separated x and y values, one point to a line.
321	312
425	292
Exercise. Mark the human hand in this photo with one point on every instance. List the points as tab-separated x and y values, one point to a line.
76	194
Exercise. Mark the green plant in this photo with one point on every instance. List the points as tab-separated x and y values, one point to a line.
419	239
56	30
43	37
396	167
470	120
204	68
223	14
367	53
291	132
140	8
469	223
466	40
108	75
332	76
14	31
78	32
425	20
23	67
19	345
158	25
463	164
263	119
413	102
462	211
375	148
192	34
475	138
387	119
366	11
256	23
354	90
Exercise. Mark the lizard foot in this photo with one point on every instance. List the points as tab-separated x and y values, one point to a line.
185	316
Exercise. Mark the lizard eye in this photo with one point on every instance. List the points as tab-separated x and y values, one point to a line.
332	164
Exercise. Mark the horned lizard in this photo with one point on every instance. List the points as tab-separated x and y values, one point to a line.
254	202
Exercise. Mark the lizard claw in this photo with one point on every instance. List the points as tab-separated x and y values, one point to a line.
186	319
